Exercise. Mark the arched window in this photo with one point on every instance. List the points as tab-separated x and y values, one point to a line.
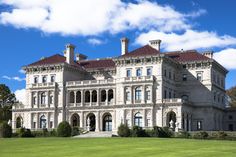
138	93
138	119
171	119
43	122
44	79
75	120
43	98
72	97
94	96
36	79
110	95
128	95
138	72
78	97
19	122
87	96
107	122
103	96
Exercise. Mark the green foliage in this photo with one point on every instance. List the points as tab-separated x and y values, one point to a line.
232	94
182	134
5	130
75	131
138	132
123	130
64	129
201	135
159	132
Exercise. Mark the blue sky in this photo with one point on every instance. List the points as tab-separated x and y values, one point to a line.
32	29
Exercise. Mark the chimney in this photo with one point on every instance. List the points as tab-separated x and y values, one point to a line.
208	54
69	53
156	44
124	45
80	57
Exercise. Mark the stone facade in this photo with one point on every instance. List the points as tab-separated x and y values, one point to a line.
183	90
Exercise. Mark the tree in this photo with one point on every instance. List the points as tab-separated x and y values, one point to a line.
5	130
232	94
64	129
123	130
7	99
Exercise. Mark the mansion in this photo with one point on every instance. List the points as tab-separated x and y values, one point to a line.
184	90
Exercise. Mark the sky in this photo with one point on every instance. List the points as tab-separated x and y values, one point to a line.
30	30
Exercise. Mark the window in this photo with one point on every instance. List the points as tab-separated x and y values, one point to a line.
214	77
184	66
174	76
148	94
138	119
138	72
34	124
43	122
36	79
128	96
169	74
128	73
169	94
230	117
231	127
34	100
214	96
44	79
51	124
165	72
43	98
199	125
138	93
149	72
165	94
53	78
51	99
199	76
184	77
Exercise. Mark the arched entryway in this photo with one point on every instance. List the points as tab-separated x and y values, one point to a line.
91	122
43	122
107	122
75	120
171	119
138	119
19	122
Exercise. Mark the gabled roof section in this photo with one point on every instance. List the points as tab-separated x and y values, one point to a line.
187	56
146	50
55	59
96	64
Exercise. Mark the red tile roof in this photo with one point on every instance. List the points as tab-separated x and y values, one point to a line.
55	59
90	64
186	56
142	51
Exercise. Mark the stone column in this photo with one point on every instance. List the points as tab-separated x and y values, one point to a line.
48	98
143	94
37	121
38	99
131	118
189	123
98	97
82	120
133	95
151	94
114	96
48	120
74	98
90	97
97	129
144	118
161	116
106	96
185	122
152	118
54	98
82	97
124	95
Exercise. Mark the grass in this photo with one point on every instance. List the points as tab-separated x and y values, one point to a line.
115	147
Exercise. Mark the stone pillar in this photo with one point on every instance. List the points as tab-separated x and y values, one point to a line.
131	95
54	99
144	118
185	122
131	118
38	99
152	118
82	97
143	94
124	95
48	98
106	96
37	121
161	116
82	120
48	120
90	97
74	98
151	94
97	129
189	123
98	97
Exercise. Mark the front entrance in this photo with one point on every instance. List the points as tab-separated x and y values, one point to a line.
91	122
107	122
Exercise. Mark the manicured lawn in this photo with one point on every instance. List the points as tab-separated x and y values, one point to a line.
115	147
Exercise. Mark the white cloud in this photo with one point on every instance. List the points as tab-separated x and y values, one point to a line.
95	41
21	71
226	57
21	95
16	78
190	39
77	17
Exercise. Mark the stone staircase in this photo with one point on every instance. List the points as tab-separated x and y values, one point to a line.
95	134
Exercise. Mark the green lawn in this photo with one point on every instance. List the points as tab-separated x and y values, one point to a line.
115	147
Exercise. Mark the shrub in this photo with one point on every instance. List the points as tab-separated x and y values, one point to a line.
75	131
201	135
138	132
221	135
123	130
5	130
53	133
182	134
64	129
25	133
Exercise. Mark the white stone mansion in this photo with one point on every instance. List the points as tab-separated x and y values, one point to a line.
184	90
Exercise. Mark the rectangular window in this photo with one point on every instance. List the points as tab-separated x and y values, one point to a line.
138	94
199	125
184	77
165	94
148	94
53	78
44	79
199	76
149	72
138	72
36	79
51	124
128	96
51	99
34	124
34	100
169	95
165	72
128	73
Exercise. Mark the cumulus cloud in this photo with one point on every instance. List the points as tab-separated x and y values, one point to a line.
16	78
95	41
226	57
20	95
21	71
77	17
190	39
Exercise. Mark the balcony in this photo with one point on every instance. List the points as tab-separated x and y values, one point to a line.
138	79
90	82
43	85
